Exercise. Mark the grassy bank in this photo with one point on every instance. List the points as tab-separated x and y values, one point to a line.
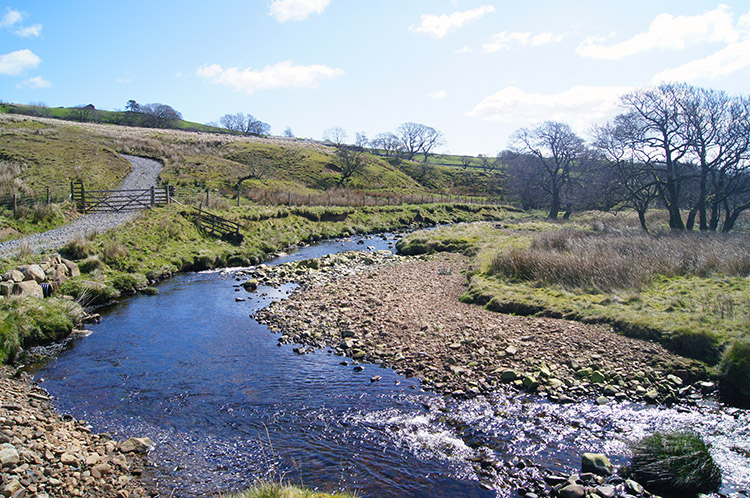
165	241
688	292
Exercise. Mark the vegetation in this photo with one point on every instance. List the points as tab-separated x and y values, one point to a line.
675	464
735	371
28	321
689	292
277	490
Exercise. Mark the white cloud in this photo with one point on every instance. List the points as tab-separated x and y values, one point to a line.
437	95
730	59
36	82
32	30
281	75
439	26
11	17
669	32
580	106
504	40
16	62
296	10
465	50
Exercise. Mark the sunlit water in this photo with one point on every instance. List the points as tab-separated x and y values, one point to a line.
226	405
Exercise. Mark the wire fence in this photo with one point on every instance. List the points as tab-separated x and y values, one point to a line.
50	195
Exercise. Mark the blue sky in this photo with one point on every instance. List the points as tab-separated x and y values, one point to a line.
475	70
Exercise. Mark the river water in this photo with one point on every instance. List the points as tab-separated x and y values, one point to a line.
227	405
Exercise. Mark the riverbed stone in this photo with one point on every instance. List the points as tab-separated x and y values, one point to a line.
572	491
72	267
8	455
136	445
596	463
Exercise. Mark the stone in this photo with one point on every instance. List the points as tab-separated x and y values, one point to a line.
72	267
508	376
28	288
34	272
602	400
572	491
12	488
597	377
605	491
136	445
511	350
609	390
14	276
100	470
68	459
651	396
584	372
8	456
633	487
6	288
250	285
596	463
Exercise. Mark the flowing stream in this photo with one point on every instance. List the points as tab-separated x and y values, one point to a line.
226	405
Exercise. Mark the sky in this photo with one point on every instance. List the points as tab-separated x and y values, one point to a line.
474	70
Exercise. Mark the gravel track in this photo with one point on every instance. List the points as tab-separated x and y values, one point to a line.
144	175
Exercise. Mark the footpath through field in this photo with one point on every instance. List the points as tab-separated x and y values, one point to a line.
144	175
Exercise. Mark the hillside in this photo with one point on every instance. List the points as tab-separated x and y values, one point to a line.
55	152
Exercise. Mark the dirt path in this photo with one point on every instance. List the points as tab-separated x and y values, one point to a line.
144	175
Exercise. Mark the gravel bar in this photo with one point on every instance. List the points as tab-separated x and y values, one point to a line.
144	175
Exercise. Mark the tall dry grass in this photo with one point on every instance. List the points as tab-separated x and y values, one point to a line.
607	261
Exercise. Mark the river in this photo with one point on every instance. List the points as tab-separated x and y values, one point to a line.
226	404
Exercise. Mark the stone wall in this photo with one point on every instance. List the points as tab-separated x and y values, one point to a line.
38	280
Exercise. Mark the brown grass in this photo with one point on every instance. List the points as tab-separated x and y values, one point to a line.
608	261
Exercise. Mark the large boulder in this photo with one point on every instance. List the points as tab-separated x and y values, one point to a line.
136	445
596	463
29	288
13	276
74	270
34	272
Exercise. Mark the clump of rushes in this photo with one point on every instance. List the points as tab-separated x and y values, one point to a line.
279	490
735	372
675	464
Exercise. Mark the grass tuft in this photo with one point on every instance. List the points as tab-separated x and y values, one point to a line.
675	464
267	489
735	372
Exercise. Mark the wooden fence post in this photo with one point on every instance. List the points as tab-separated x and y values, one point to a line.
289	199
83	197
15	205
208	198
167	194
153	196
48	196
238	196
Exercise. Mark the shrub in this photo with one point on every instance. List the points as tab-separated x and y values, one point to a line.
113	250
89	293
129	283
78	248
91	264
735	372
675	463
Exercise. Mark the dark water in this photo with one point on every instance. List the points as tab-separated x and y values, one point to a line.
226	405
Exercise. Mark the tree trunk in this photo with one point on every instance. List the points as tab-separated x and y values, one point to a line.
642	219
691	218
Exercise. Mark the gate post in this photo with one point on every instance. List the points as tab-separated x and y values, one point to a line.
153	197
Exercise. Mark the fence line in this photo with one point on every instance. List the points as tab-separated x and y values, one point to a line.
357	199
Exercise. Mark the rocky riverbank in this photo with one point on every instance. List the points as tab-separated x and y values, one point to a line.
405	313
44	454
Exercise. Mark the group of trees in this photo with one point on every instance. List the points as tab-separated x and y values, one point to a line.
410	140
684	148
245	124
151	115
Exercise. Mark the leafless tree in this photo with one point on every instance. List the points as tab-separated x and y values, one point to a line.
388	143
558	151
244	123
417	138
466	161
350	158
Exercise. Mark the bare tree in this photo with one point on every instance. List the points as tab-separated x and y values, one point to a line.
158	115
350	158
335	135
417	138
466	161
288	133
360	139
388	143
244	123
558	151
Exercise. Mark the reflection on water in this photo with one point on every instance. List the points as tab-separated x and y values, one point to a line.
226	405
